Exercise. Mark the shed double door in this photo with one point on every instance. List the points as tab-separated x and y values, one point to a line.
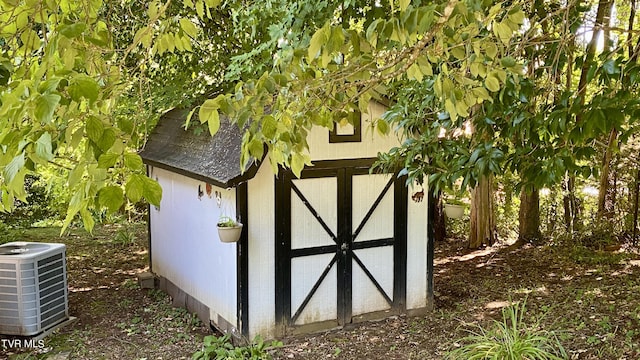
340	245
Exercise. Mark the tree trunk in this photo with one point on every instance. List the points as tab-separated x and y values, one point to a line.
572	206
590	53
606	194
632	18
607	26
482	228
635	208
552	215
439	223
529	216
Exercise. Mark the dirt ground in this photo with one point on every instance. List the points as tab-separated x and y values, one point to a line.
591	299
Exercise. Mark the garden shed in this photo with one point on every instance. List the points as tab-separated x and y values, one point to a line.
336	246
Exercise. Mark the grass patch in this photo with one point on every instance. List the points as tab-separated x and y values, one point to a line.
586	256
510	339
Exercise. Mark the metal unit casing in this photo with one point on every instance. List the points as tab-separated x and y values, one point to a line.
33	287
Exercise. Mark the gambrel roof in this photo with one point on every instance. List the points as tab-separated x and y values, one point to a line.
215	160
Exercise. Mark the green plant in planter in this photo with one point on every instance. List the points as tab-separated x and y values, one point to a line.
456	197
454	205
226	221
454	201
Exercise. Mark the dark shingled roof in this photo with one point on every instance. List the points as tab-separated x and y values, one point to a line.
215	160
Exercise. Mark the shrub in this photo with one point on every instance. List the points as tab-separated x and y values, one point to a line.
510	339
125	236
36	208
7	234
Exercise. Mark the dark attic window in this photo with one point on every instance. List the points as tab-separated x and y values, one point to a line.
347	132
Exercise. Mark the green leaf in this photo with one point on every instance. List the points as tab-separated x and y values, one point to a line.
491	50
404	4
45	107
13	167
94	128
425	66
382	126
503	32
413	72
143	35
135	187
152	191
508	61
73	30
74	206
256	148
75	175
107	160
107	139
133	161
87	219
111	197
83	86
44	148
200	9
450	107
317	41
269	127
188	120
209	113
188	27
609	66
269	84
49	85
213	3
481	94
461	109
492	83
280	79
459	53
214	122
297	164
372	31
517	17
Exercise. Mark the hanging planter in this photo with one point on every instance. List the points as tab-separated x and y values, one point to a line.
229	230
453	211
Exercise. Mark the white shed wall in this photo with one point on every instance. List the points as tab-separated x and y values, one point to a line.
372	141
185	248
417	252
261	194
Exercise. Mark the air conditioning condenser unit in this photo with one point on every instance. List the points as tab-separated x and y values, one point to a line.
33	287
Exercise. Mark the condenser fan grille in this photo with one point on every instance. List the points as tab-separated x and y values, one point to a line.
53	307
22	249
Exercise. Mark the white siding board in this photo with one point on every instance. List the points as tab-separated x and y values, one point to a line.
185	247
416	252
372	141
261	254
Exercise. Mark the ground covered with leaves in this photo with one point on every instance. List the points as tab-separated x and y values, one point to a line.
589	300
